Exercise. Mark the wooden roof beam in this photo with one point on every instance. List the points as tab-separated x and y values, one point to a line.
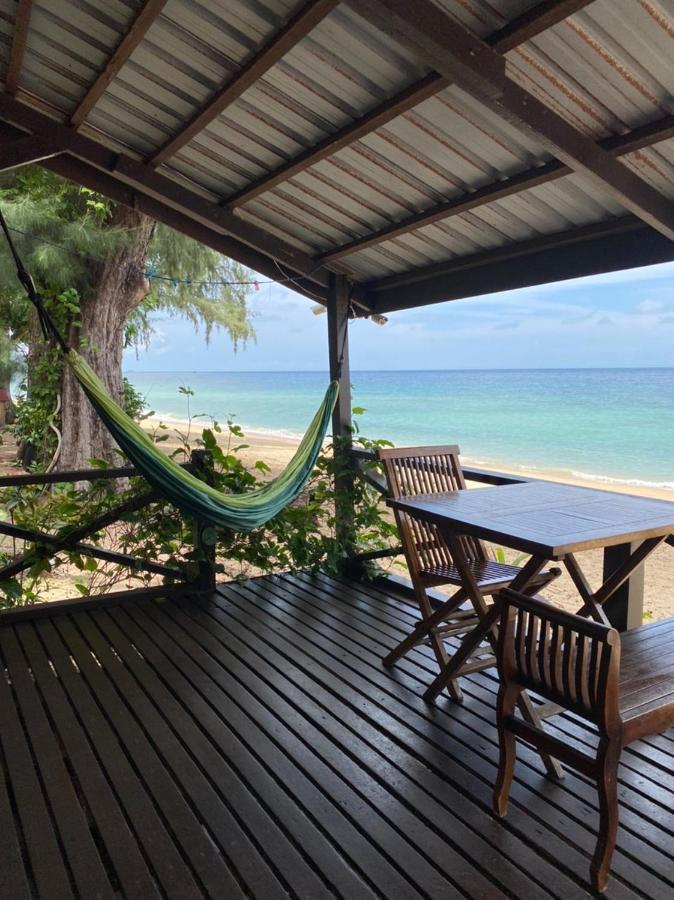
455	52
151	184
149	12
521	29
24	150
621	243
618	145
76	170
18	50
297	28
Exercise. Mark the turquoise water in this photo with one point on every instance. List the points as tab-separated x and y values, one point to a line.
598	423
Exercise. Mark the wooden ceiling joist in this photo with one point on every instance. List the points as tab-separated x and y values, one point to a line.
621	243
297	28
523	28
146	17
126	170
455	52
87	175
16	54
618	145
534	21
25	150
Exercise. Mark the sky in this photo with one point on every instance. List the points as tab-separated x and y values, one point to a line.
622	319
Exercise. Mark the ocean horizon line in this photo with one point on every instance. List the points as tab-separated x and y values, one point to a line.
396	371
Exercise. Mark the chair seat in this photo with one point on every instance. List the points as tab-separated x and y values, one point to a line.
647	677
487	573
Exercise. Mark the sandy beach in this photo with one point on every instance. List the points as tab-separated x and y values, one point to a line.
276	450
659	568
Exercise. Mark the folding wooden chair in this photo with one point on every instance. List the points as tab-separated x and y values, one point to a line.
624	688
432	470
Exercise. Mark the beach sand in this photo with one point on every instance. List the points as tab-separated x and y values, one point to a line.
658	571
277	450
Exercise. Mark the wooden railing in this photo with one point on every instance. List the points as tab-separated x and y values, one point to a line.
44	545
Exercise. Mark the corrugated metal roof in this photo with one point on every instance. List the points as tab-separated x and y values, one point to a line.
607	69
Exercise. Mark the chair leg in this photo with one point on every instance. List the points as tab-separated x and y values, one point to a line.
505	707
608	758
424	628
429	615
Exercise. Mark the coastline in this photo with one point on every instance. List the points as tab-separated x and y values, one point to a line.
276	448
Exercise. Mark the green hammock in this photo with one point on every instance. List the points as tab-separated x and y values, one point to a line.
238	512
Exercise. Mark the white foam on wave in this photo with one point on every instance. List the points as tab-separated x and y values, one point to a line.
628	482
204	421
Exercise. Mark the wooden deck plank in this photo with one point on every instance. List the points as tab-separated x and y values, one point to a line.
174	758
352	758
647	779
178	817
371	746
118	839
545	806
528	798
218	793
252	744
78	847
45	865
168	866
13	878
285	791
334	793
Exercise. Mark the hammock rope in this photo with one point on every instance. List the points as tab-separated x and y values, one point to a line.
237	512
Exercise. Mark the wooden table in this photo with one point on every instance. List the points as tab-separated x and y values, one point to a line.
549	521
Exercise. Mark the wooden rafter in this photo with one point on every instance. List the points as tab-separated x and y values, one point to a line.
81	172
25	150
455	52
76	170
126	170
139	28
621	243
523	28
297	28
534	21
21	24
618	145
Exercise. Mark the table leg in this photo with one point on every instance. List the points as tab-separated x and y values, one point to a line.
488	617
593	602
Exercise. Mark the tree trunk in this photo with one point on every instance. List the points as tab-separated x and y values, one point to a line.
120	286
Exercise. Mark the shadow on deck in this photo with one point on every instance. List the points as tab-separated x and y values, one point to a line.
252	744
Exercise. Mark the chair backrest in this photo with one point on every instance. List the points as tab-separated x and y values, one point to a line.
422	470
568	659
425	470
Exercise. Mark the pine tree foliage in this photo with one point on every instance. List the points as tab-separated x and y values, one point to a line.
48	214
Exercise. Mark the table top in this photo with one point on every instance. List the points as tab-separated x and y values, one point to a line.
545	518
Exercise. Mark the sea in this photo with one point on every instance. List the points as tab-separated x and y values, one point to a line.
609	425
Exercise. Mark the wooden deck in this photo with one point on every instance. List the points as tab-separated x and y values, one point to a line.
252	744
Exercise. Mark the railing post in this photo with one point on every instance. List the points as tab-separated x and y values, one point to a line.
204	534
338	348
625	609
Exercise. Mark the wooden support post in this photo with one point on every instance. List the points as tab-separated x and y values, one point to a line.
625	609
204	534
338	348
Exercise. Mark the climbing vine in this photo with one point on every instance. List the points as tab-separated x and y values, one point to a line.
302	536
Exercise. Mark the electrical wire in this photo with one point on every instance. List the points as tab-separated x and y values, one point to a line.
152	273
